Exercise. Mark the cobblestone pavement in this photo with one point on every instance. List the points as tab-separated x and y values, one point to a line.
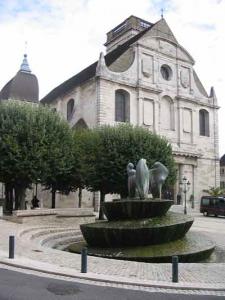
201	278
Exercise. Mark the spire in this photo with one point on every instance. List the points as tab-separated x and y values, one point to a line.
25	66
162	10
101	65
213	95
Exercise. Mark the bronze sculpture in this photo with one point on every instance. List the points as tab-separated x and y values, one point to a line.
142	180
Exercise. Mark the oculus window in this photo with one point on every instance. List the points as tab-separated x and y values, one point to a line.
166	72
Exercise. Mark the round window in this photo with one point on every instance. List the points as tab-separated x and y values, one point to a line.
166	72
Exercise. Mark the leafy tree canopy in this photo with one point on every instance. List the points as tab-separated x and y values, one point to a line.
35	145
108	150
215	191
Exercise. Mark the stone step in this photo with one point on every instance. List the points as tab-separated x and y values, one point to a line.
59	240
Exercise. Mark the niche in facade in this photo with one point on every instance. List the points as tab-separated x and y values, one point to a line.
167	113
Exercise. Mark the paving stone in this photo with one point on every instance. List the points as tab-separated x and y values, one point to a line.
30	252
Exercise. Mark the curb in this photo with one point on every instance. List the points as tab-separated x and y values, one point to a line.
119	280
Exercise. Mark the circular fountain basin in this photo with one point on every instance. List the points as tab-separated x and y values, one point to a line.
148	231
122	209
193	247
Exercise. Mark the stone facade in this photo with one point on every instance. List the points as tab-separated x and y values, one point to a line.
164	94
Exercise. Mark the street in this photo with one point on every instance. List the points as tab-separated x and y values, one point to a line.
20	286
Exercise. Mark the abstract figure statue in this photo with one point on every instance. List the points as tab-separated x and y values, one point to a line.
142	178
158	174
131	180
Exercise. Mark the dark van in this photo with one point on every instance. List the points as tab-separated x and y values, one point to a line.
212	206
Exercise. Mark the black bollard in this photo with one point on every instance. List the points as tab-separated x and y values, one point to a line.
84	260
11	246
175	268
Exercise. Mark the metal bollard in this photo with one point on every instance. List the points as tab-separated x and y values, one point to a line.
11	246
84	260
175	262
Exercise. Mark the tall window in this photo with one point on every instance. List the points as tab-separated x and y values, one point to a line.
167	113
70	108
122	106
204	122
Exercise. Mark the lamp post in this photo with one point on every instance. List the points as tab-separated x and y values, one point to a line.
185	186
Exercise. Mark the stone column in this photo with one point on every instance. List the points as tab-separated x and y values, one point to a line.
140	111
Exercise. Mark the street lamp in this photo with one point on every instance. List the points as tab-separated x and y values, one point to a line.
185	186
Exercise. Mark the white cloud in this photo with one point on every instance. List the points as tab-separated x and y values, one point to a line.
65	36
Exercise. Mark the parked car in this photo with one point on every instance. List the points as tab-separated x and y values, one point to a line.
211	205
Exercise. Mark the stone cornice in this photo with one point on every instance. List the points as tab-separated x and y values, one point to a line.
149	88
196	101
187	154
113	80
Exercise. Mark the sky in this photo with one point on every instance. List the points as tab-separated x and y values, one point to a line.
61	37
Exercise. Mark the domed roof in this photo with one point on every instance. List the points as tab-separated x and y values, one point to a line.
23	87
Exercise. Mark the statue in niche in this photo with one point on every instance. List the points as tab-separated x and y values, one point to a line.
131	172
158	174
142	178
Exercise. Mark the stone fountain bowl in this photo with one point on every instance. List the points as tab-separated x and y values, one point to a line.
122	209
140	232
193	247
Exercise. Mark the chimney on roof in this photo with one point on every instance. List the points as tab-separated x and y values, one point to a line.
124	31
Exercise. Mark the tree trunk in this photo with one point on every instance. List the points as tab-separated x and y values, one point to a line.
80	197
8	199
17	198
53	198
20	194
102	200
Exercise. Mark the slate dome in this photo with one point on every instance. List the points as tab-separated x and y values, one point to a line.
23	86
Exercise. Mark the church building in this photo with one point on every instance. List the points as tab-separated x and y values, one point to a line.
148	79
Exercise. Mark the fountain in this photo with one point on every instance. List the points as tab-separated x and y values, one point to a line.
141	228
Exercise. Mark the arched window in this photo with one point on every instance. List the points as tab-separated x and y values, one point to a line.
204	122
81	124
122	106
167	113
70	109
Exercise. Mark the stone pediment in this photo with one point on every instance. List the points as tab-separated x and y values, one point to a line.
166	47
161	39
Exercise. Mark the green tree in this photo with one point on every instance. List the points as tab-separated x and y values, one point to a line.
78	172
108	150
57	152
35	146
215	191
